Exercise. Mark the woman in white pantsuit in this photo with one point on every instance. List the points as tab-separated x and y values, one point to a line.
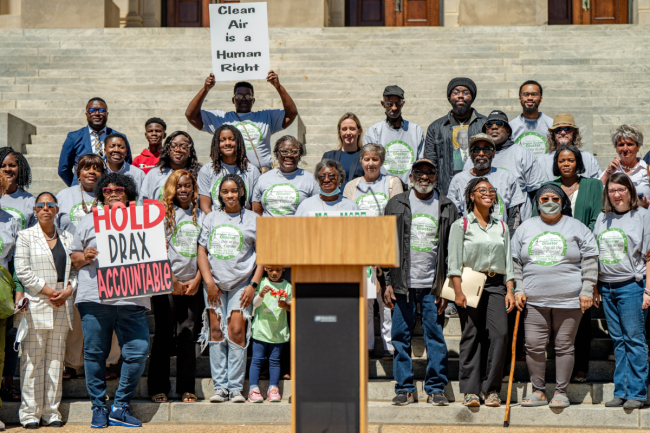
43	267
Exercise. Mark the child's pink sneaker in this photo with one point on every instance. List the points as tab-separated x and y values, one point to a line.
274	395
254	396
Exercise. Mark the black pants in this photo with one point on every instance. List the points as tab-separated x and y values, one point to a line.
182	315
583	345
484	340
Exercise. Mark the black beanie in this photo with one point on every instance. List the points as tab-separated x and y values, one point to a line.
465	82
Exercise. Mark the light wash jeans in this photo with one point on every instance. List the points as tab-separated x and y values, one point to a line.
227	359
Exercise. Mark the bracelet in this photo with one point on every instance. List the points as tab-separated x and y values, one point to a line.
647	292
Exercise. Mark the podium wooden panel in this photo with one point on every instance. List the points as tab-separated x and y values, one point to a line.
328	258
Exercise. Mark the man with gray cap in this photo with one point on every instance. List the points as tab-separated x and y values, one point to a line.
517	160
402	140
448	137
509	195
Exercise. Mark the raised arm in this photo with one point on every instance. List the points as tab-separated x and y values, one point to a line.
193	112
290	109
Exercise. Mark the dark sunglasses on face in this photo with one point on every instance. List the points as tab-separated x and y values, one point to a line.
389	104
40	205
564	128
491	123
329	176
97	110
555	199
421	173
239	97
478	150
293	152
119	191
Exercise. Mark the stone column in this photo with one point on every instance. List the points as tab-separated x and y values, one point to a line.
130	12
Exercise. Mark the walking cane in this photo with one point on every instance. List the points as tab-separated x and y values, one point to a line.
506	421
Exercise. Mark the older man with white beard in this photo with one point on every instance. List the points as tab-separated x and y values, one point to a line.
424	218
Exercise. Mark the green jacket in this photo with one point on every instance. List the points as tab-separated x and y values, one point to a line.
589	203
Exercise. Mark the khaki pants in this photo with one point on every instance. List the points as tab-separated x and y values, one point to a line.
74	349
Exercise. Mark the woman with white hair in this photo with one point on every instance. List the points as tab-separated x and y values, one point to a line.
627	140
330	175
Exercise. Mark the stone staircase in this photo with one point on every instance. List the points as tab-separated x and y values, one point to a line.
599	73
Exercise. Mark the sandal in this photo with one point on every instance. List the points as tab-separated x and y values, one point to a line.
563	401
69	373
533	400
10	393
110	375
160	398
188	397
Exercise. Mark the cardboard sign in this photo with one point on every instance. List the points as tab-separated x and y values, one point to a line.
343	213
239	36
132	252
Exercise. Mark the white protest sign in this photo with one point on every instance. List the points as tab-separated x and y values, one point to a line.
239	35
132	252
343	213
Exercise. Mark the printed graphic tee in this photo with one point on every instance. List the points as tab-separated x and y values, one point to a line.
531	134
183	243
71	207
209	182
9	228
281	193
316	204
20	205
373	195
424	241
270	323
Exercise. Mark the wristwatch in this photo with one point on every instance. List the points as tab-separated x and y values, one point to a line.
254	285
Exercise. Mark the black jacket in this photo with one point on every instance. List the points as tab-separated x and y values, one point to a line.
356	170
400	206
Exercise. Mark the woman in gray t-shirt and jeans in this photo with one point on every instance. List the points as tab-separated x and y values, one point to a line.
556	266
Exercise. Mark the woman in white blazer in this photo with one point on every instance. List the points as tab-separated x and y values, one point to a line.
42	264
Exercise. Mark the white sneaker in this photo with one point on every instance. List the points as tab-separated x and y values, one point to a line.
236	397
220	396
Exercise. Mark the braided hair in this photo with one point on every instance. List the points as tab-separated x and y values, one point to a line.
469	203
241	162
24	178
241	186
193	164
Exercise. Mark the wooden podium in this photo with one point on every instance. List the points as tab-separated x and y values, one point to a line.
328	257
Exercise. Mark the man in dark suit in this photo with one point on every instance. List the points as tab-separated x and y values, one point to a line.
89	139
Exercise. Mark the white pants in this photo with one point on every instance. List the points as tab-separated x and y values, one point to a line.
41	370
385	320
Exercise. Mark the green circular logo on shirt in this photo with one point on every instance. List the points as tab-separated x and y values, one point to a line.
369	273
77	212
534	142
225	241
18	215
498	208
2	246
160	194
399	157
424	232
281	198
373	201
215	190
253	130
612	246
547	249
185	238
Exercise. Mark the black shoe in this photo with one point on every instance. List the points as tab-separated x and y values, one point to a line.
616	402
53	424
633	404
438	399
31	425
403	398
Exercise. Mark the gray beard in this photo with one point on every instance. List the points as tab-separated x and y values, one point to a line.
421	190
482	167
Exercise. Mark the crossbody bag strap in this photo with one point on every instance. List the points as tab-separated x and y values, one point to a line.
249	139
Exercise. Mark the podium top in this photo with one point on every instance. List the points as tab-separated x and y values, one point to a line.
327	241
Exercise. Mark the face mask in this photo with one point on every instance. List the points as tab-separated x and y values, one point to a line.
335	192
550	207
21	332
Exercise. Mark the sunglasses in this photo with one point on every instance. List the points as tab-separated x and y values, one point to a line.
498	123
50	205
421	173
328	176
294	152
545	199
119	191
564	128
389	104
97	110
239	97
478	150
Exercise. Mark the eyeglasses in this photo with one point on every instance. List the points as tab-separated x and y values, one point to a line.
528	94
181	146
458	92
564	128
293	152
119	191
545	199
478	150
484	191
239	97
498	123
97	110
50	205
620	191
422	173
328	176
389	104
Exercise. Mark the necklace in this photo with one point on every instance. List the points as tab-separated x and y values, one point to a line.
629	168
322	203
52	238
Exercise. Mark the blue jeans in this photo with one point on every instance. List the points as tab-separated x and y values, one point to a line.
260	349
435	378
626	323
227	358
98	321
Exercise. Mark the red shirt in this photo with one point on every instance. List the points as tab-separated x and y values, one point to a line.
146	160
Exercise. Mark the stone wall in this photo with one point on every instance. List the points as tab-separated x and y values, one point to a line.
502	12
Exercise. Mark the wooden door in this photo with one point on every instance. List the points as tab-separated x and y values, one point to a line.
608	12
560	12
188	13
587	11
402	13
365	13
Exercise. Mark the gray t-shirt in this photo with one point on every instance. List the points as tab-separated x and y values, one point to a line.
509	193
230	242
424	241
9	229
373	195
133	172
623	241
260	125
531	134
88	289
20	205
403	146
71	207
592	169
154	184
315	204
281	193
208	181
182	243
551	257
